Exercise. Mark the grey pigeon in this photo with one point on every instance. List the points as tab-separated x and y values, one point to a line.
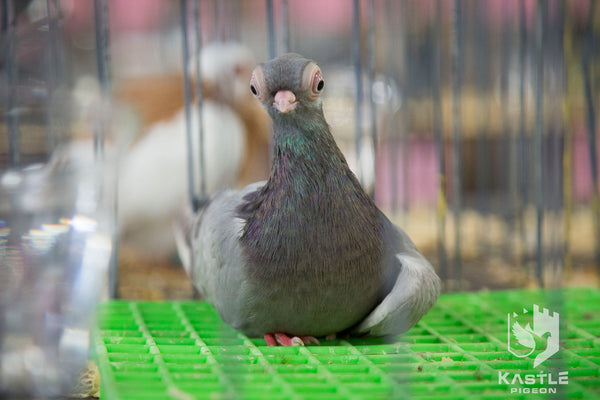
307	253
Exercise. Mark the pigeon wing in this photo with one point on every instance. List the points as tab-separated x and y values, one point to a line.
415	290
209	248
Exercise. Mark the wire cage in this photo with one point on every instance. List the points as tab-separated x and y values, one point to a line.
466	112
471	124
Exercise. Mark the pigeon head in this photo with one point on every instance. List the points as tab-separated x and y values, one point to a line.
288	85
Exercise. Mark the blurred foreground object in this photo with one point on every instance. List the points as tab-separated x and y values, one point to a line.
89	382
58	150
57	223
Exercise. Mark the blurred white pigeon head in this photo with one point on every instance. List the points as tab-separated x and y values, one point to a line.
226	68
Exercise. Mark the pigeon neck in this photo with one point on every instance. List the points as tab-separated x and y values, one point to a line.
311	204
305	146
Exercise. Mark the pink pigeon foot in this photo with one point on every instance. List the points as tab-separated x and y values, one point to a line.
270	340
273	339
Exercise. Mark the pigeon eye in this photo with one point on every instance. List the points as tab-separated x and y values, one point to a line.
317	82
257	83
320	85
312	80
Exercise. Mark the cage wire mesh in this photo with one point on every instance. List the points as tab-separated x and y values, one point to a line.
472	124
494	107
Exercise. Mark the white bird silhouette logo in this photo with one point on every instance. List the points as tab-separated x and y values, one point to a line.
524	336
546	328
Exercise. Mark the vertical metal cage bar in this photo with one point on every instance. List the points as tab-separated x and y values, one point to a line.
187	89
357	61
52	52
438	133
199	111
371	76
457	63
588	49
271	40
9	43
557	95
236	11
513	144
216	21
538	136
567	157
285	22
558	143
393	74
406	85
199	99
521	196
188	111
101	26
483	88
222	28
103	66
58	57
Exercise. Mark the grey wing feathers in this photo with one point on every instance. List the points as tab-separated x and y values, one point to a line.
207	242
415	291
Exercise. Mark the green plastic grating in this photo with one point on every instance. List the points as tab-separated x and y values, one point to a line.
182	350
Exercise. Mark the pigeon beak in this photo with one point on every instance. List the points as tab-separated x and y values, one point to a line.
285	101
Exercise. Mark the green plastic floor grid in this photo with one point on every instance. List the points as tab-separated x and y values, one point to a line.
183	351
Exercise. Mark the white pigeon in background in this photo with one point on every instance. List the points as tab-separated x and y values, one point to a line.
153	179
231	88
